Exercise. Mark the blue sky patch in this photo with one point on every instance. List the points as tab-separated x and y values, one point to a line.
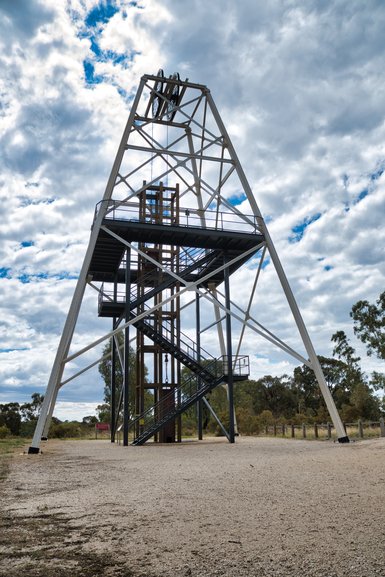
328	267
376	175
26	201
26	243
299	229
11	350
26	278
237	199
362	195
93	26
101	14
5	272
89	73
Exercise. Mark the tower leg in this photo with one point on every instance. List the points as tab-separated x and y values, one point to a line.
69	327
113	384
229	357
126	385
198	343
342	437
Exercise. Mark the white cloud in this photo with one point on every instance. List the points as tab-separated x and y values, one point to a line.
74	411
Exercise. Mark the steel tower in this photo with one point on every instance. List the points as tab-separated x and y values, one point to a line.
166	244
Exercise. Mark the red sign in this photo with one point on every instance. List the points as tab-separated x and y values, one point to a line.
102	426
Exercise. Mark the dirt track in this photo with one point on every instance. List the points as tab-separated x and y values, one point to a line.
261	507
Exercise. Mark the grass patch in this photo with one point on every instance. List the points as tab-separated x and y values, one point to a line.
8	446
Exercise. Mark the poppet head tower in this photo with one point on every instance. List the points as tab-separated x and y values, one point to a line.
177	253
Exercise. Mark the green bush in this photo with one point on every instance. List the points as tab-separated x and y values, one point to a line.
4	432
66	430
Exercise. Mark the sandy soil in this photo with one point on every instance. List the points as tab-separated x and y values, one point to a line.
261	507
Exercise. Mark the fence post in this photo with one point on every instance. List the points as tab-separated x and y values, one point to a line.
316	430
382	427
292	431
275	430
360	429
266	429
304	430
329	431
283	430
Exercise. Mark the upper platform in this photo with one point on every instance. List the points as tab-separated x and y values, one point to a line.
218	232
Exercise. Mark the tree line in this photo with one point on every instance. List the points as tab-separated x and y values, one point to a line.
297	398
294	398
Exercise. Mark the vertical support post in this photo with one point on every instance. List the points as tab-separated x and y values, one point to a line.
292	431
114	416
198	341
329	430
360	429
229	355
382	427
113	384
304	430
126	385
316	430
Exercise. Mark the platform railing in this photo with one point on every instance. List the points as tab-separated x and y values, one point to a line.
185	217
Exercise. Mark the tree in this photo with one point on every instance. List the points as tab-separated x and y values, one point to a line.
369	325
10	417
343	350
90	420
30	411
337	377
105	366
346	353
377	381
276	395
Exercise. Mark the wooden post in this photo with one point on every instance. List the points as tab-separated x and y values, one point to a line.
283	430
316	430
304	430
275	430
266	429
292	431
360	429
329	430
382	427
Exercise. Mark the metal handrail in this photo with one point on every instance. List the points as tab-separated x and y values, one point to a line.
152	417
185	217
191	257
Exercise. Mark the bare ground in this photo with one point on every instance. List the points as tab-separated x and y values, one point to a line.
261	507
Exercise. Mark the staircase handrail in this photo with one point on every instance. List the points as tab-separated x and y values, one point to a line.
173	391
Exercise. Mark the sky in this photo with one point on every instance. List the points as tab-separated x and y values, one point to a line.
301	89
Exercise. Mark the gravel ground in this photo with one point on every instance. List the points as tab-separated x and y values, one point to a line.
261	507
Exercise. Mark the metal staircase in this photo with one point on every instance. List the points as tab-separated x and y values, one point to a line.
208	373
189	393
195	263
